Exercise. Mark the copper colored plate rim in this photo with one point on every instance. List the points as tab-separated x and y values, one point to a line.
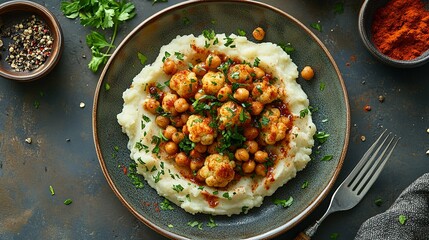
268	234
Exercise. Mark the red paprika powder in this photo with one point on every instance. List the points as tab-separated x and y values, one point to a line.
400	29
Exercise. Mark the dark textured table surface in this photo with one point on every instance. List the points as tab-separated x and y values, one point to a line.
62	153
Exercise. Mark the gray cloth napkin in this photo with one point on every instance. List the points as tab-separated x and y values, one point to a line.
413	203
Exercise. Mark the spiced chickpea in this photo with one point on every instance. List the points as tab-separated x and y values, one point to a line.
250	133
261	169
200	69
177	121
177	137
182	160
171	148
200	148
169	67
248	166
169	131
258	33
162	121
261	156
199	94
256	108
241	94
241	154
184	117
151	105
196	164
213	61
212	149
259	73
307	73
251	146
181	105
223	94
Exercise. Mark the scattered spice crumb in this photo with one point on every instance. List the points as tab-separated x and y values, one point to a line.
28	140
367	108
82	105
427	130
83	56
67	139
427	152
362	138
381	98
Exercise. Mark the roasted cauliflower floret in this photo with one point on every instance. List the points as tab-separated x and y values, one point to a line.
240	73
200	131
213	82
168	103
273	126
185	83
231	114
264	92
217	171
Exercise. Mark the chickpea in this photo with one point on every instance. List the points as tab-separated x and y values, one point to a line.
199	94
242	154
212	149
200	148
200	69
223	94
182	160
258	33
177	137
185	130
169	131
196	164
248	166
250	133
261	170
256	108
261	156
251	146
213	61
151	105
177	121
259	73
241	94
162	121
171	148
181	105
169	67
184	117
307	73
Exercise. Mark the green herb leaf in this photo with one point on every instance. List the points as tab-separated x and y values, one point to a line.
178	188
107	87
304	185
211	223
339	7
134	176
284	203
317	26
321	137
322	86
166	205
51	189
142	58
68	201
402	219
334	236
97	40
327	158
287	47
241	32
378	202
304	112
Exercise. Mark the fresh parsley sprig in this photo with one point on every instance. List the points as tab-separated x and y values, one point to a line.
104	14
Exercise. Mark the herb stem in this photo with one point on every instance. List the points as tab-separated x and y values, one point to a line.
115	31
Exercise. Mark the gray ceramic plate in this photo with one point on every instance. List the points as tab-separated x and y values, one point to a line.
332	116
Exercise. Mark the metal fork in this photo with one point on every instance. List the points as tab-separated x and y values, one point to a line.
356	185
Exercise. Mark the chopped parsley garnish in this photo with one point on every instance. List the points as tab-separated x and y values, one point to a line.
226	195
322	86
334	236
142	58
179	55
304	185
339	7
107	87
378	202
241	32
284	203
134	176
68	201
265	121
196	224
229	42
287	47
321	137
166	55
402	219
178	188
165	205
51	189
211	223
316	26
304	112
186	145
257	61
327	158
244	209
243	117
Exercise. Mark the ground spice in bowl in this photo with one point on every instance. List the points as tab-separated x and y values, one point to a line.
30	44
400	29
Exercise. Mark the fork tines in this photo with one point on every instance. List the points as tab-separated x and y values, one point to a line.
367	170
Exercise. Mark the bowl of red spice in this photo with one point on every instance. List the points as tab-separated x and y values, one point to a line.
31	41
396	31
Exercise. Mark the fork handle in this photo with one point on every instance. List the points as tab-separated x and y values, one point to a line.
302	236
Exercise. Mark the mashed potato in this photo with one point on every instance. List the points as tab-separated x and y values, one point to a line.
189	113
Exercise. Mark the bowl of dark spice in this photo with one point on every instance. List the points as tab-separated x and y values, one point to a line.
396	31
31	41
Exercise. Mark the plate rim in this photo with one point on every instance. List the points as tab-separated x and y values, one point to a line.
274	232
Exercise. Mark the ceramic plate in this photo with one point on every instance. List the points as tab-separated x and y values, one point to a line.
326	92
